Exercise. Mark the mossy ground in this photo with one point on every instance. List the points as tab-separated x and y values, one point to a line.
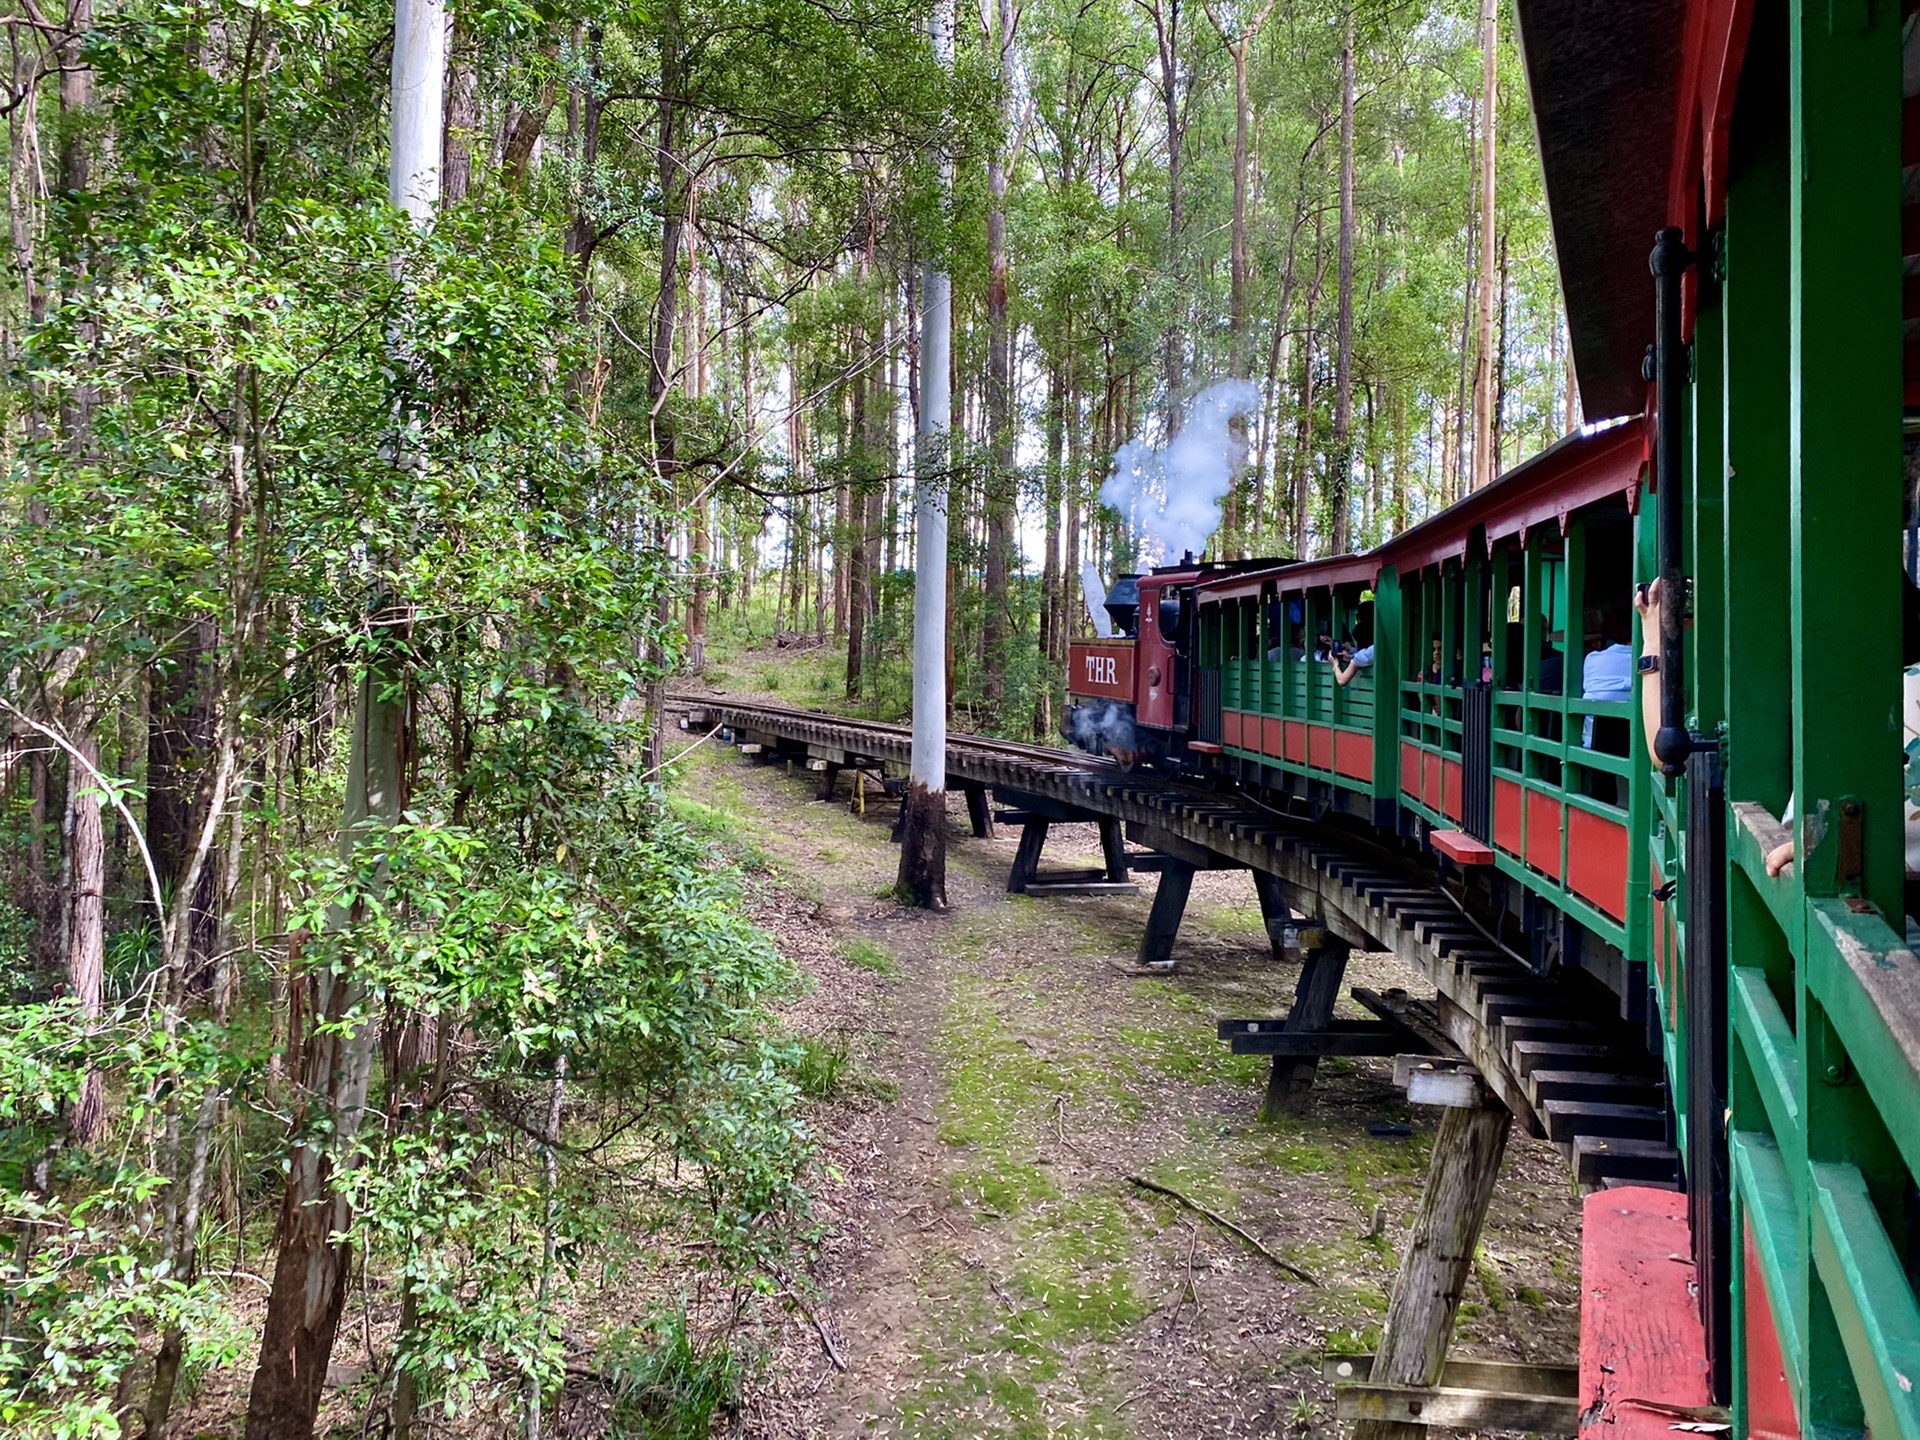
1007	1279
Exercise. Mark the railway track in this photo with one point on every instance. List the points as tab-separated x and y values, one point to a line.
1568	1070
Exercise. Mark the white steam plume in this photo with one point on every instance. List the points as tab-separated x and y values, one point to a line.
1171	496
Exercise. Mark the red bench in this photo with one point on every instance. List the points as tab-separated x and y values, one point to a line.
1462	848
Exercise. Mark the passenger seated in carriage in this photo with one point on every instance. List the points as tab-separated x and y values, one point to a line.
1349	660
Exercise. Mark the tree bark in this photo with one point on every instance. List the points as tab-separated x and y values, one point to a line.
524	123
996	610
1340	461
1303	433
922	878
858	556
86	921
179	748
1234	527
1166	34
463	111
1050	616
1485	463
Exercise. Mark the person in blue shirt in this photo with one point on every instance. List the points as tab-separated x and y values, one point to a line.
1607	672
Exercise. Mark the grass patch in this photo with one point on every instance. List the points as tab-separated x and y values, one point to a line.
1298	1155
821	1068
666	1385
1491	1285
1188	1053
870	956
1077	1270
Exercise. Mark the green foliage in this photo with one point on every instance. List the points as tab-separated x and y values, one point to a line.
666	1384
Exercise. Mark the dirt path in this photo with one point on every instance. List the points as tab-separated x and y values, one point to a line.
988	1267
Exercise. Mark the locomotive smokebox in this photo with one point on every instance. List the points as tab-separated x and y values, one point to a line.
1123	604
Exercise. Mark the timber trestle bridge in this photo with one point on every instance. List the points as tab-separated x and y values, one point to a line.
1561	1064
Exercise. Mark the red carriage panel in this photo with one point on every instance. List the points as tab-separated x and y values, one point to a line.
1320	747
1296	742
1597	860
1410	770
1506	816
1770	1413
1452	788
1353	754
1543	832
1270	731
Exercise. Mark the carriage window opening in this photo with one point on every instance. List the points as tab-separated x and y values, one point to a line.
1550	670
1606	632
1513	674
1482	671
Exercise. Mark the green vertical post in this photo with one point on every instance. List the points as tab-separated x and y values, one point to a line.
1844	333
1386	684
1707	480
1757	540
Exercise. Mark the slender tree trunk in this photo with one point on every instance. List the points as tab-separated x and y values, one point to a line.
1340	461
675	198
311	1274
1303	435
700	540
179	747
857	556
524	124
1050	565
1279	354
549	1240
463	110
1573	390
1234	528
996	608
1485	463
1166	30
86	920
922	878
1499	426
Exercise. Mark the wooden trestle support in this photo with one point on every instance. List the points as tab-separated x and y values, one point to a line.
1495	1044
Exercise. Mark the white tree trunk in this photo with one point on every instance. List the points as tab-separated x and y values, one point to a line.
419	98
923	861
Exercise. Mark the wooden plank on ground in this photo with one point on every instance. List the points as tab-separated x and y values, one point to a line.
1466	1372
1443	1407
